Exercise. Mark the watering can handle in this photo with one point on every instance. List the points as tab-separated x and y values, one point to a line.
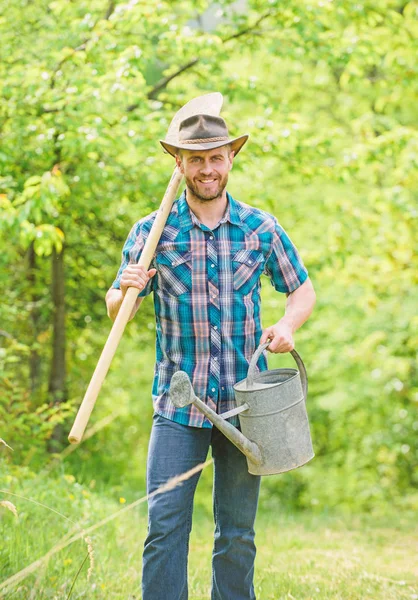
251	369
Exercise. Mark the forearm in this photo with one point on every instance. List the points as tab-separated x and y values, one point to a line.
299	306
114	299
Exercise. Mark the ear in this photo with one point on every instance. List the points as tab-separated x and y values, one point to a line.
231	159
179	163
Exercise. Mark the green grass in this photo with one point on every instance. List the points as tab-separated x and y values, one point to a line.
300	556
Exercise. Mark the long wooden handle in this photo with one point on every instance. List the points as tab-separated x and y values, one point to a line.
125	310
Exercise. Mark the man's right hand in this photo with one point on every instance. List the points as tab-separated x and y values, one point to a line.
135	276
132	276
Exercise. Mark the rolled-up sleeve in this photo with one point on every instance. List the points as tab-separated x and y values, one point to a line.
284	265
131	254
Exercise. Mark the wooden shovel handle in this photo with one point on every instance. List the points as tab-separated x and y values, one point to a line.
124	313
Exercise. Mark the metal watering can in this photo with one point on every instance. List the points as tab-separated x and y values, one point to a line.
271	406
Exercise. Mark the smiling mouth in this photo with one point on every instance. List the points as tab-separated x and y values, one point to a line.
207	180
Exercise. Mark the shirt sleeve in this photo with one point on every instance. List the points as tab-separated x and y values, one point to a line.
284	266
131	253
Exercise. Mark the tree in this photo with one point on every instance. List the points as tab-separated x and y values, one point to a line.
327	92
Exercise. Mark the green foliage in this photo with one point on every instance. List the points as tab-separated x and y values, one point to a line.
327	92
26	425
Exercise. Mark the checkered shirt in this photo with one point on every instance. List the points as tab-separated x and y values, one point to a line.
207	299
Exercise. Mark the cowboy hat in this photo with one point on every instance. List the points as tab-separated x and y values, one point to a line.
203	132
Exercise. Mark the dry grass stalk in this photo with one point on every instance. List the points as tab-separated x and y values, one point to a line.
20	575
7	445
39	504
87	540
89	433
10	506
169	485
35	587
90	553
178	480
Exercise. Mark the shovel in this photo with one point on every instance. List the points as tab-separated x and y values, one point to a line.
209	104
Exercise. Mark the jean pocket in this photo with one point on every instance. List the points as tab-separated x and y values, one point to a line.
174	271
247	266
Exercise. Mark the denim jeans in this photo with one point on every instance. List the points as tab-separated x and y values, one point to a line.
174	449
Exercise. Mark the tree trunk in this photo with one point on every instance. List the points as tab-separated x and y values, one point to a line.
34	359
57	380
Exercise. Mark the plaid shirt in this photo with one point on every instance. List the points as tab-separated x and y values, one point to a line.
207	299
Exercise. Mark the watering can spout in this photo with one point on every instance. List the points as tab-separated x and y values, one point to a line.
182	394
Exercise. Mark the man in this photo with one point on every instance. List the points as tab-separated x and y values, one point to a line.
205	277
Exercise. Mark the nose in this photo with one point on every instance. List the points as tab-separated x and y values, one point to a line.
206	168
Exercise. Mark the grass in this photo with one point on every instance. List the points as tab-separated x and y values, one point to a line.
300	556
313	557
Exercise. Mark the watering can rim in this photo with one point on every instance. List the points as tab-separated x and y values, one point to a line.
295	372
251	374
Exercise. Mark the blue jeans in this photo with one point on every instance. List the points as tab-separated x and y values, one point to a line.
174	449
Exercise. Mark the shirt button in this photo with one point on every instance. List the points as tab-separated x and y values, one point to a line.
213	389
211	237
215	327
215	358
212	266
223	388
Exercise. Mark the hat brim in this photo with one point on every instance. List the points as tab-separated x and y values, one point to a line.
236	145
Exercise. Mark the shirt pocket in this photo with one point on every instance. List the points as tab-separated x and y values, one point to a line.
174	271
247	267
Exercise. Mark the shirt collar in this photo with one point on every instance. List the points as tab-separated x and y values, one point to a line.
232	213
188	220
183	212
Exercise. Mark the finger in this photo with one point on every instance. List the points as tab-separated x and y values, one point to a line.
274	345
267	333
152	272
278	343
138	282
134	277
283	347
135	270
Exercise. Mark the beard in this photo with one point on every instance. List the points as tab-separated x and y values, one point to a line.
210	194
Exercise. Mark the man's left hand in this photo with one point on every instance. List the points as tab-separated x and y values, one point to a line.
281	336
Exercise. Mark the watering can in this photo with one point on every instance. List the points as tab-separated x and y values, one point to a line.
271	405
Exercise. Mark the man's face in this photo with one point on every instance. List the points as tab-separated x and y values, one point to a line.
206	171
